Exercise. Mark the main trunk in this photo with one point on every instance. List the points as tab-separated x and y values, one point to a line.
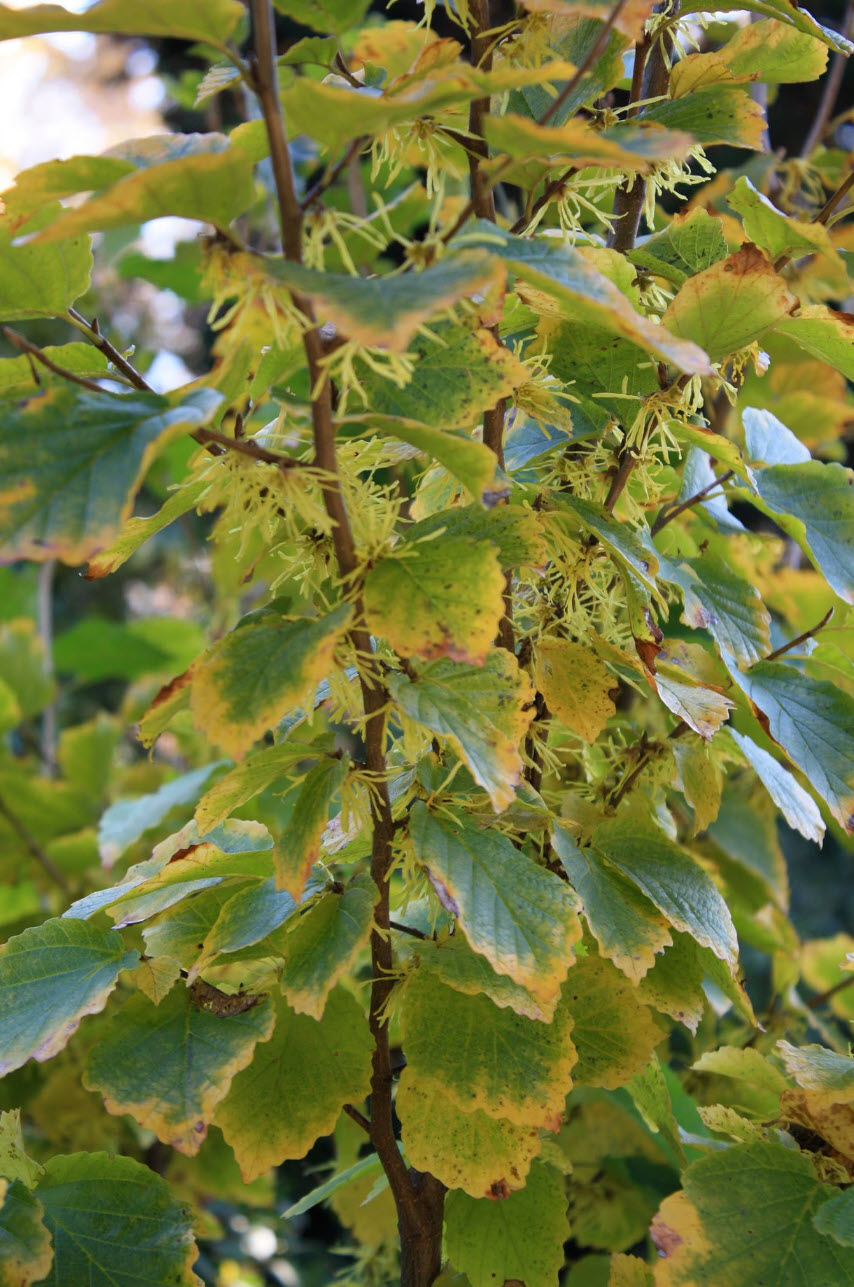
421	1233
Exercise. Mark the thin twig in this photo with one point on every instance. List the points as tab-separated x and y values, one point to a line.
247	447
816	1002
830	93
358	1117
672	510
823	215
332	172
119	361
33	351
799	639
627	462
408	929
42	858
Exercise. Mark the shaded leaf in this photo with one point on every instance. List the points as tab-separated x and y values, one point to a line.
297	848
248	917
26	1254
469	461
520	1238
814	503
825	334
835	1218
64	448
484	712
454	963
767	227
95	1208
320	945
126	820
796	805
249	779
614	1034
51	976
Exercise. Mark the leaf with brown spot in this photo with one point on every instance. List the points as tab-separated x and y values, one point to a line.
575	684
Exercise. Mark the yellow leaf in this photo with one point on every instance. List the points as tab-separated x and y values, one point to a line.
577	686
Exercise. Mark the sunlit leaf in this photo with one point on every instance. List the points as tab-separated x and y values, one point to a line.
521	917
205	20
273	1110
576	685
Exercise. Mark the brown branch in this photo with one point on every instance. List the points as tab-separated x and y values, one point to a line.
830	93
247	447
358	1117
41	856
627	462
331	174
816	1002
33	351
119	361
672	510
799	639
830	205
552	190
418	1198
408	929
647	754
648	82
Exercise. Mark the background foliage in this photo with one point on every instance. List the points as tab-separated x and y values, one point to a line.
430	766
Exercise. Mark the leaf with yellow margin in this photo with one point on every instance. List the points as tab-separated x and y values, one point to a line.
518	1239
386	312
674	986
629	1271
297	1084
255	675
485	1156
825	334
702	782
211	22
454	963
72	463
482	711
485	1057
437	598
629	929
633	147
576	685
248	779
770	51
706	1239
728	306
320	945
26	1254
168	1066
297	847
614	1033
518	915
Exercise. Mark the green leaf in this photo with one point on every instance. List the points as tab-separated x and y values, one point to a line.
274	1111
73	463
136	531
454	963
614	1033
628	547
486	1156
193	176
298	846
51	976
249	916
784	11
248	779
811	720
210	21
37	280
520	1238
678	886
521	917
168	1066
796	805
514	530
485	1057
468	460
629	929
728	306
23	665
320	945
438	598
126	820
774	232
814	503
365	1166
254	676
17	378
768	441
179	933
14	1162
336	16
690	243
824	334
598	365
483	711
769	51
717	599
458	371
114	1223
705	1240
26	1254
716	114
835	1218
583	293
387	311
